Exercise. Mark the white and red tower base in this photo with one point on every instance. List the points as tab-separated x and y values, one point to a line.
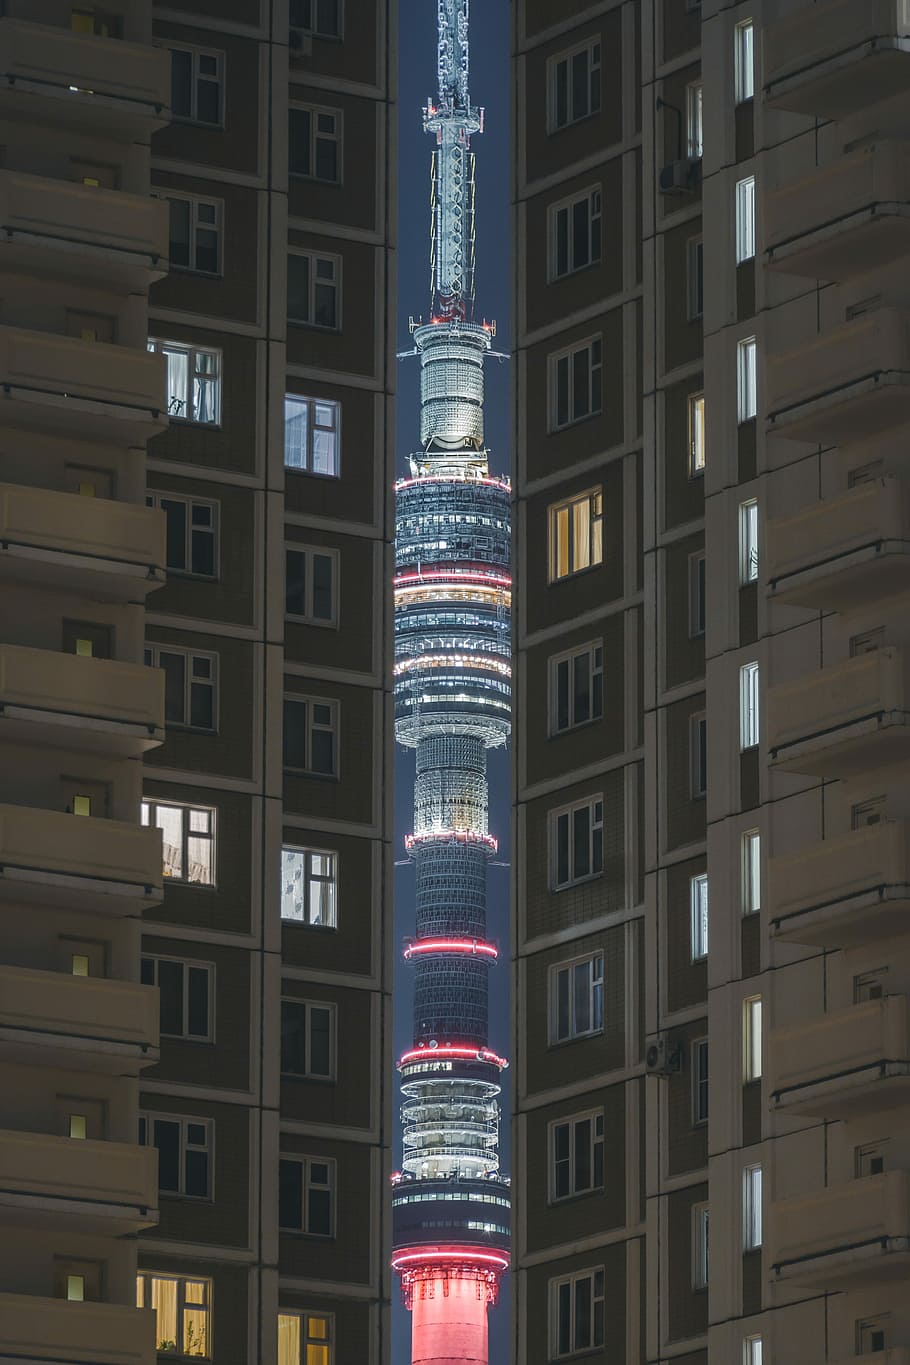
448	1291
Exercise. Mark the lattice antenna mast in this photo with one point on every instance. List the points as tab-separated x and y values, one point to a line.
453	119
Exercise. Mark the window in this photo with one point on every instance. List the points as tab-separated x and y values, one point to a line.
321	19
870	812
310	735
576	998
574	85
186	996
696	404
193	382
92	19
314	143
869	1159
195	234
576	688
872	1334
575	384
694	120
745	219
312	435
305	1338
305	1195
746	380
869	986
576	1155
313	290
751	1208
699	1063
698	908
307	1040
700	1225
748	706
184	1153
744	62
191	544
698	755
696	594
182	1309
576	851
190	681
575	234
188	840
752	1350
695	278
197	85
867	642
577	1313
309	881
311	578
752	1038
576	534
751	872
748	542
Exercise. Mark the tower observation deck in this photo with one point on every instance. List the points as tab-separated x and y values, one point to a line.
450	1203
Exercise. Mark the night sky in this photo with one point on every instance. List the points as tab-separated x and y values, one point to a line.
489	88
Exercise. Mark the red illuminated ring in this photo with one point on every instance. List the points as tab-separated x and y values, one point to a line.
447	1051
466	1255
467	483
462	836
474	947
452	576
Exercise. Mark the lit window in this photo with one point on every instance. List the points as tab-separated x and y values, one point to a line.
748	706
576	1155
698	755
314	143
195	234
92	19
575	228
307	1040
190	682
312	435
744	62
574	85
311	585
75	1288
186	996
193	382
576	998
752	1350
576	534
188	840
306	1187
191	534
576	384
319	19
694	120
695	278
311	735
576	688
746	380
748	541
197	85
305	1338
745	219
698	907
751	872
700	1081
184	1153
700	1227
751	1208
696	594
752	1058
309	883
696	405
313	290
576	1313
182	1309
576	835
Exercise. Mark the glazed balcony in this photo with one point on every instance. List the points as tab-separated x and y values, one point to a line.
845	720
842	1237
90	1023
834	57
53	1330
78	703
845	891
845	384
843	219
109	1187
851	1059
107	866
843	552
111	550
82	231
86	388
87	83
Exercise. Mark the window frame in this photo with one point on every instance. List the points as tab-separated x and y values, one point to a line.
337	136
695	409
309	552
306	1160
195	53
595	990
752	1207
698	614
753	1060
752	1349
744	219
750	864
595	828
592	195
187	964
748	542
334	728
749	706
307	854
150	803
158	497
149	1117
746	380
314	31
595	63
744	62
695	278
335	260
592	348
304	1315
594	1117
152	652
594	530
698	1068
217	226
596	1339
590	650
144	1296
312	429
701	1224
163	346
698	756
330	1008
698	917
695	120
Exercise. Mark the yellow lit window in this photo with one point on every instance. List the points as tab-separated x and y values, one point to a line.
77	1126
80	964
304	1339
86	490
181	1309
82	805
75	1288
84	647
576	534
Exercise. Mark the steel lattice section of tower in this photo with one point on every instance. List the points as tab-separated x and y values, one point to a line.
450	1203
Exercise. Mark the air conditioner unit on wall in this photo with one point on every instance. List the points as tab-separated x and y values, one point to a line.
680	177
663	1057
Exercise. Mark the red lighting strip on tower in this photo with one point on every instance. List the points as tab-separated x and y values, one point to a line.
403	580
461	836
470	946
461	1052
468	482
466	1255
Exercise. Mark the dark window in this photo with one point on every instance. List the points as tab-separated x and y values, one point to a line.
184	996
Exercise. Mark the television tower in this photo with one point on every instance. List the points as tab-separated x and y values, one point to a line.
450	1203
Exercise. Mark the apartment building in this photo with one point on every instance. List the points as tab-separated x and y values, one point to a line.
709	1136
197	369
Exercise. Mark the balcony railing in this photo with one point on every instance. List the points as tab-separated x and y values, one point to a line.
844	891
843	552
834	57
850	1058
844	1236
842	219
115	1023
55	1330
109	1185
844	720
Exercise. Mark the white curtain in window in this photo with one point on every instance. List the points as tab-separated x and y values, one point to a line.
288	1339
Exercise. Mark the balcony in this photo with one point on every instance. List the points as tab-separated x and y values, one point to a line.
843	219
846	384
119	90
832	58
846	1060
85	388
87	1023
106	866
845	891
105	1187
81	704
109	550
842	1237
843	552
71	229
54	1331
845	720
